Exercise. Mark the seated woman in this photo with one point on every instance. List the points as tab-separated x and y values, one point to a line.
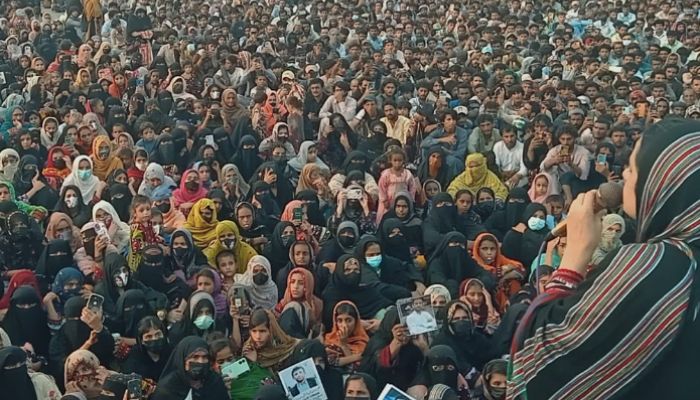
308	154
258	281
188	373
440	369
277	251
191	191
492	382
198	320
347	340
345	285
501	221
473	293
403	209
299	309
353	204
117	231
252	232
83	375
152	350
31	186
451	264
476	176
82	176
509	274
613	229
228	238
441	219
523	241
459	332
202	223
355	161
394	278
7	193
103	158
468	221
391	356
268	345
70	203
20	382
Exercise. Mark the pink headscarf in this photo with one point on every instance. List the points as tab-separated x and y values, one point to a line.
552	188
182	195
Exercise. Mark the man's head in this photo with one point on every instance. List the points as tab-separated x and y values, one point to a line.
299	374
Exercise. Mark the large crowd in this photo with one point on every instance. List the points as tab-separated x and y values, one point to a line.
259	183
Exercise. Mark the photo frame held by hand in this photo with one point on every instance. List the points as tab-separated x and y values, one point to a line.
301	381
391	392
417	314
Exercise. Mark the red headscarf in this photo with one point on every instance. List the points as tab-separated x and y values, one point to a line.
182	195
20	278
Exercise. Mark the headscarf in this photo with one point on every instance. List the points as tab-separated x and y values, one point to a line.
182	195
64	276
102	168
242	251
280	345
131	308
51	171
552	188
154	170
14	375
247	160
220	301
74	370
500	261
430	169
300	160
242	188
436	290
22	277
609	240
46	140
264	295
203	232
305	180
8	171
646	289
395	246
358	339
173	219
475	178
309	299
88	187
56	255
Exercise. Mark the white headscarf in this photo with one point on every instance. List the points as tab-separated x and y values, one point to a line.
297	163
88	187
264	295
8	171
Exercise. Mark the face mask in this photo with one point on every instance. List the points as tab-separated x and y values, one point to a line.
179	252
286	240
155	346
141	166
203	322
498	393
84	174
71	202
462	328
123	279
346	241
192	186
626	42
278	159
156	229
446	376
164	208
353	279
229	243
67	294
60	163
198	371
260	278
374	261
103	154
535	224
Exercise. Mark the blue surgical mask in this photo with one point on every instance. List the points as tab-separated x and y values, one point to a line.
203	322
535	224
84	174
374	261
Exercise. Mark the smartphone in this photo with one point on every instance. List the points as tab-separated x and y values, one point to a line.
354	194
134	389
236	368
239	299
95	302
617	170
100	228
641	109
298	214
209	140
564	151
601	159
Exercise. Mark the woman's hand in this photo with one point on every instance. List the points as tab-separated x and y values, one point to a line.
584	227
92	319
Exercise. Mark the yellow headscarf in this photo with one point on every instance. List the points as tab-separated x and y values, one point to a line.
477	177
203	232
102	168
242	251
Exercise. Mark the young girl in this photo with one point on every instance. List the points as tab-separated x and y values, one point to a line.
543	186
474	293
509	273
142	232
208	280
393	180
348	339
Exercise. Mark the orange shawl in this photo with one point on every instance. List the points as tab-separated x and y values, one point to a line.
496	267
357	341
173	219
310	300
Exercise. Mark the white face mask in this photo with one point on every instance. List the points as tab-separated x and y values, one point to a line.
156	229
124	277
71	202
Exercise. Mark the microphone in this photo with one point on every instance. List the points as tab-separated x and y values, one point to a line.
608	196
